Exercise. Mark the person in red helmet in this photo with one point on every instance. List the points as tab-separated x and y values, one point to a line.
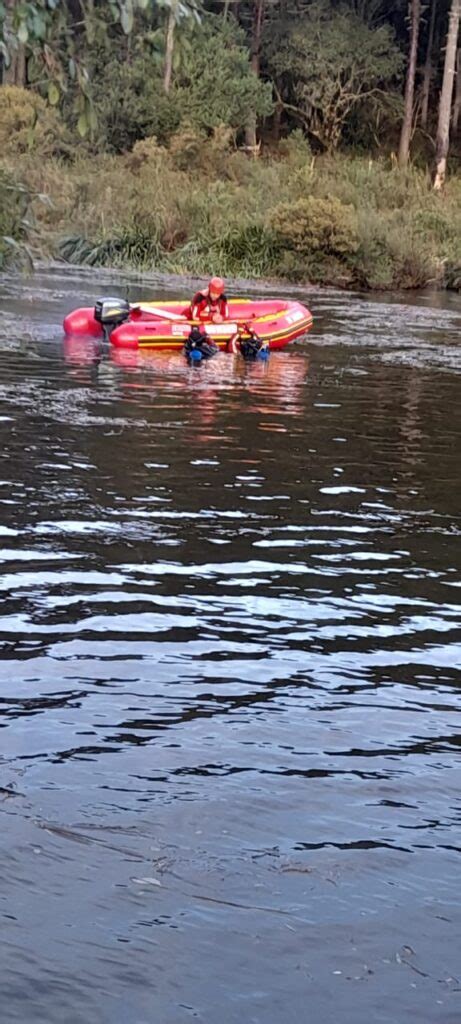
211	303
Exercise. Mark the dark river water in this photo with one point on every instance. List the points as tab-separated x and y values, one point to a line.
229	676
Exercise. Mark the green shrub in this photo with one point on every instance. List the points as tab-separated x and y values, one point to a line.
317	225
27	124
16	225
186	148
295	150
452	276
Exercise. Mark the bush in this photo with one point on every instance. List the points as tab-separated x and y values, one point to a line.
146	152
15	222
314	225
452	276
295	150
27	124
187	148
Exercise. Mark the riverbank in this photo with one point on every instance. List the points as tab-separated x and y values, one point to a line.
196	207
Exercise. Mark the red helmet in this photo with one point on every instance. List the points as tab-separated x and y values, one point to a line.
216	285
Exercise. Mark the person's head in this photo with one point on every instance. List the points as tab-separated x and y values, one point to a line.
216	287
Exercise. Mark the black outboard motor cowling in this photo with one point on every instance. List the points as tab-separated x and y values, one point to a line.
111	312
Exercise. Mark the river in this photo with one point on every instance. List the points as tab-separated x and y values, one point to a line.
229	690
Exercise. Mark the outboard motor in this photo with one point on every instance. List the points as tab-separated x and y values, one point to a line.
110	313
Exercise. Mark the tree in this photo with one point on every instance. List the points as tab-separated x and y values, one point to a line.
457	103
215	82
59	39
407	125
256	37
427	73
213	86
169	47
443	127
178	11
328	61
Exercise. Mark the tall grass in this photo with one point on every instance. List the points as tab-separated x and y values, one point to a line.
16	222
148	209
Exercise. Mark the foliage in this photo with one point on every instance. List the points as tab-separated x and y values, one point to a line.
317	225
327	61
132	105
341	221
62	39
334	69
28	124
16	225
137	248
247	249
215	84
213	87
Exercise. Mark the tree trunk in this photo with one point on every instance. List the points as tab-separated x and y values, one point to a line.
169	47
407	126
258	19
457	103
277	122
446	95
427	74
15	74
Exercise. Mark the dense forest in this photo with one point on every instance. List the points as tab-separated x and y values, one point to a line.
301	139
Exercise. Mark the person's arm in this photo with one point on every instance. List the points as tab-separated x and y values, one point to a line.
195	307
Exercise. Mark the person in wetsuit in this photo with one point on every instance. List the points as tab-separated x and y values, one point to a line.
211	303
199	346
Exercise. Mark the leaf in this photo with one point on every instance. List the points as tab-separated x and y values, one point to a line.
92	118
127	18
23	32
72	68
39	26
5	54
82	125
53	94
30	137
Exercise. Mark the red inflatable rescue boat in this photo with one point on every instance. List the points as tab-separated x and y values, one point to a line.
164	325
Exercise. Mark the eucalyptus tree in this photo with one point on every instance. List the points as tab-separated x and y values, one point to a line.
407	124
446	96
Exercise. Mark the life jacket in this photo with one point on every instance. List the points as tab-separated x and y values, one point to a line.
203	306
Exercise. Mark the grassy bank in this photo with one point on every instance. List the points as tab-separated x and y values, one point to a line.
199	206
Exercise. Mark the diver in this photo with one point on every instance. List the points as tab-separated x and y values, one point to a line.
199	346
249	344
